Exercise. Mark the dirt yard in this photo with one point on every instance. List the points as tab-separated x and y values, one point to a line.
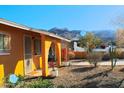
89	77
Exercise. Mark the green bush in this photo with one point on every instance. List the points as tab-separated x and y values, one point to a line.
61	86
11	85
7	82
21	83
40	83
21	78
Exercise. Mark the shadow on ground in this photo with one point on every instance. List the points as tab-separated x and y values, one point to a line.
122	70
82	69
87	85
103	74
104	82
78	60
100	84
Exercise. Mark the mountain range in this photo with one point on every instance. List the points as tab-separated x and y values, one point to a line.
105	35
69	34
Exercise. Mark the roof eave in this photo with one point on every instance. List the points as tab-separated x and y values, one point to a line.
50	34
13	24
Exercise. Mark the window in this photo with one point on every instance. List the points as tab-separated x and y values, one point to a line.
4	43
37	47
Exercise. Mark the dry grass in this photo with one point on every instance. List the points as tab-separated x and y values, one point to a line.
87	76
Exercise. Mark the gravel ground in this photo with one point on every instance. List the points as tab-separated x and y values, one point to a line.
90	77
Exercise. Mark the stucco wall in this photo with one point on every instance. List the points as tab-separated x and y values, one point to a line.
14	62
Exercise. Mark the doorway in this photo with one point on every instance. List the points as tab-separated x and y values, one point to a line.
52	55
28	54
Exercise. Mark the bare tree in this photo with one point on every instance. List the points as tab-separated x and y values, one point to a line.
120	38
89	42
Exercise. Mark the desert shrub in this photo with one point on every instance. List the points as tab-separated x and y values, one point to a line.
39	83
94	58
106	57
80	55
77	55
71	55
120	54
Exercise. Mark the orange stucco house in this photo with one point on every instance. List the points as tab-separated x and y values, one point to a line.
24	49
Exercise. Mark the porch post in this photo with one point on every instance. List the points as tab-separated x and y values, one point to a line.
58	53
45	71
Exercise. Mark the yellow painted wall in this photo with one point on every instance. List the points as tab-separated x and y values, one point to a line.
41	62
19	70
1	74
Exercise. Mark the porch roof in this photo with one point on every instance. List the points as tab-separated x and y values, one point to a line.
41	31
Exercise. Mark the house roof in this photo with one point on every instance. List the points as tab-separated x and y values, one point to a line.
41	31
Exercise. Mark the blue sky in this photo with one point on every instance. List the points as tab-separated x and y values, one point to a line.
86	18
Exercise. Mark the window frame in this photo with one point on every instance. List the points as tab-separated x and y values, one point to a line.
6	51
37	54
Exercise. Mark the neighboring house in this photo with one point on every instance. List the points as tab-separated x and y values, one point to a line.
75	46
102	50
24	49
80	49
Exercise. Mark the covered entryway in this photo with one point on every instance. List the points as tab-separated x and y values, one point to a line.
47	42
52	56
50	52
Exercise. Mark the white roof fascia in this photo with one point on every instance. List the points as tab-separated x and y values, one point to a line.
50	34
13	24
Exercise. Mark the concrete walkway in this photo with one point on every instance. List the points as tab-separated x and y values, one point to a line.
80	62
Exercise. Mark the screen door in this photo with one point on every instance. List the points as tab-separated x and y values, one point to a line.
28	54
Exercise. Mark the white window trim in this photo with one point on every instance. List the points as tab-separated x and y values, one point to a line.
3	54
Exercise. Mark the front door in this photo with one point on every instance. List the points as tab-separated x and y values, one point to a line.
28	54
